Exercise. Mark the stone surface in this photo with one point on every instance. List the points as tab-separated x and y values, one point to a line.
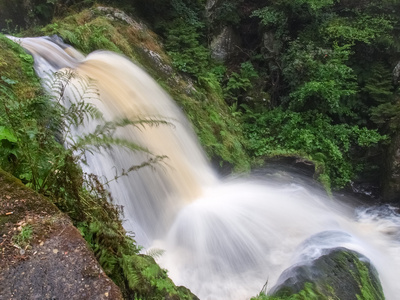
225	44
210	7
338	274
55	262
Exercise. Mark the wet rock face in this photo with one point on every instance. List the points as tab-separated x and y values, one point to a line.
224	45
54	261
339	274
211	6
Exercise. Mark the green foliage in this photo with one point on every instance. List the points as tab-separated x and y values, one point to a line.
272	18
378	85
188	12
89	37
183	45
359	28
307	293
228	12
238	83
148	281
319	78
379	98
263	296
219	132
44	9
6	134
312	135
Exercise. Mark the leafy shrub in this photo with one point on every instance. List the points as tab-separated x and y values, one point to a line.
239	83
228	12
319	78
182	44
335	149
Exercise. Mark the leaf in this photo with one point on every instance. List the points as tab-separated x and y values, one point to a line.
8	80
6	134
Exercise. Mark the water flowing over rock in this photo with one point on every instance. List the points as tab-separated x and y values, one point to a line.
222	238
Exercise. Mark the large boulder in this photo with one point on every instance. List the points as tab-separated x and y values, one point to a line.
43	256
339	273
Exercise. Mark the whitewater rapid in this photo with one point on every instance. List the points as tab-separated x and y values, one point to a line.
223	239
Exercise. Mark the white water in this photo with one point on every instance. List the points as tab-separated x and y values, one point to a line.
223	239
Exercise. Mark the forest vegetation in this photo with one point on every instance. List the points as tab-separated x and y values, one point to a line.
312	79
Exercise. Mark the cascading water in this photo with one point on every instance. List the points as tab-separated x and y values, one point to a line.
222	239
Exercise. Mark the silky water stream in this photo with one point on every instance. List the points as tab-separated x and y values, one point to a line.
223	239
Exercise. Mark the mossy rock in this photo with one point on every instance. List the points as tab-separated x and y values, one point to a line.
148	281
338	274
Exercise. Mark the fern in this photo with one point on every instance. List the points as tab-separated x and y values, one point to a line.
155	252
129	271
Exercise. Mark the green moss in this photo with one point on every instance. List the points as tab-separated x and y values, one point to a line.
309	292
370	290
148	281
23	238
16	67
341	274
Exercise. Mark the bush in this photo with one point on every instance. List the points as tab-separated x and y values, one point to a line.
336	150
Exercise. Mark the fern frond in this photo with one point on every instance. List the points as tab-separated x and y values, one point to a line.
155	252
130	272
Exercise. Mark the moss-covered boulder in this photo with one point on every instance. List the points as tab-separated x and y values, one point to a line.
338	274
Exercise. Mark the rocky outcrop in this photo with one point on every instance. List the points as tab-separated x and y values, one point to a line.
43	256
338	274
210	7
225	44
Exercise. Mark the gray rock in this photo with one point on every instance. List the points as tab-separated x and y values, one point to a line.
210	7
338	274
225	44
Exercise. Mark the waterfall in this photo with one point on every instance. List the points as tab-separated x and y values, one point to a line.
222	238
